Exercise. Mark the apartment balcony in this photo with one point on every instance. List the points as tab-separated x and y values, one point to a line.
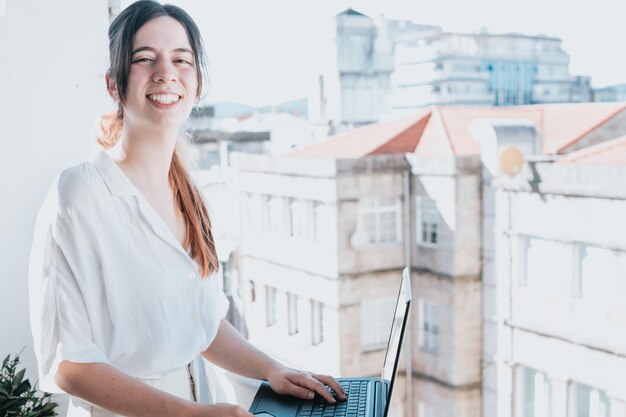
438	77
551	98
554	79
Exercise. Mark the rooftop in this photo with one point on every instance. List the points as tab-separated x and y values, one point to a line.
610	153
443	130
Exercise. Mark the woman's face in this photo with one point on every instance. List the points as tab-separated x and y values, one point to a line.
162	81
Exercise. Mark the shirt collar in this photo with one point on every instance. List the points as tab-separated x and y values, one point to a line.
115	179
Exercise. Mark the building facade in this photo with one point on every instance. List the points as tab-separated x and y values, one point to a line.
486	69
554	266
321	257
327	229
610	93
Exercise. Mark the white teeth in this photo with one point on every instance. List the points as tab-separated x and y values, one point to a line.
164	98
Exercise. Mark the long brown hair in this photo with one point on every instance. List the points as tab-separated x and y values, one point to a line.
198	235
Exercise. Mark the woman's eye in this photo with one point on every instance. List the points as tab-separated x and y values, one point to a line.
143	60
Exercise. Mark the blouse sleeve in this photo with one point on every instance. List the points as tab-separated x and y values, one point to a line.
214	308
62	254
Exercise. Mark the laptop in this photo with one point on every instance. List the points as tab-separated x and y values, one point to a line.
367	397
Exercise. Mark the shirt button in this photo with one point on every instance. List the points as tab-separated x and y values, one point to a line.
192	275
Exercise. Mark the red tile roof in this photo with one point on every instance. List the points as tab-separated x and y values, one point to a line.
398	136
443	130
456	121
611	153
565	124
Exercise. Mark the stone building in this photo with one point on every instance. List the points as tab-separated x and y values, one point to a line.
327	229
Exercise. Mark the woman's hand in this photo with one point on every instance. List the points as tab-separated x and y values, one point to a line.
304	385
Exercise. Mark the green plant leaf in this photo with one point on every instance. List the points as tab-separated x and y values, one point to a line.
22	388
18	398
18	379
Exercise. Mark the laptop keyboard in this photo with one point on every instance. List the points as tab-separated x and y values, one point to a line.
354	406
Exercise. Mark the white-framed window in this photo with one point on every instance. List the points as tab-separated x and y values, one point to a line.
292	312
313	220
297	219
380	220
317	322
522	276
273	215
321	223
545	262
227	280
270	305
252	287
376	319
265	213
425	409
428	325
594	267
253	212
534	393
586	401
427	222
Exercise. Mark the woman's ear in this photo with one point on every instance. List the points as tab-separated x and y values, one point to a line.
112	87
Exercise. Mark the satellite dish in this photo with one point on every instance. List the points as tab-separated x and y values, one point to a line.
511	160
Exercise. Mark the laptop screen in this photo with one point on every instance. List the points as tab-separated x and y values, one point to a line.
392	357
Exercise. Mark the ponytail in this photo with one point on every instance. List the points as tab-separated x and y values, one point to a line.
110	128
198	235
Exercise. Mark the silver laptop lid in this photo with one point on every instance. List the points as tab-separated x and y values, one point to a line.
396	336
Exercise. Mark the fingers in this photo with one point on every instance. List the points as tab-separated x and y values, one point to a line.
305	385
311	385
332	382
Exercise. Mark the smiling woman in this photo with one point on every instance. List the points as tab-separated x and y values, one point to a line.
123	297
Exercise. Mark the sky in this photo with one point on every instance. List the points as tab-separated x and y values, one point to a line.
269	51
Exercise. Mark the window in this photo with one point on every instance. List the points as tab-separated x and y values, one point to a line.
594	267
320	223
252	292
425	409
547	262
376	319
292	311
522	276
225	268
253	209
534	393
297	212
586	401
317	322
427	221
380	220
270	305
274	215
428	326
313	221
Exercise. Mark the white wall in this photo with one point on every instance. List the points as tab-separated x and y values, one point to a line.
53	55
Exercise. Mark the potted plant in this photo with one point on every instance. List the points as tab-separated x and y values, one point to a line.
18	398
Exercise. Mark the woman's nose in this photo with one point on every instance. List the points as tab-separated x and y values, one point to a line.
164	72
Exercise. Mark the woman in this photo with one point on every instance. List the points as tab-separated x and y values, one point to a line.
122	297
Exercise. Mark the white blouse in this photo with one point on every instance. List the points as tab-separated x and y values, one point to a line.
110	283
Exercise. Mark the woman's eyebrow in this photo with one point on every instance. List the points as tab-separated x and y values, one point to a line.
151	49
